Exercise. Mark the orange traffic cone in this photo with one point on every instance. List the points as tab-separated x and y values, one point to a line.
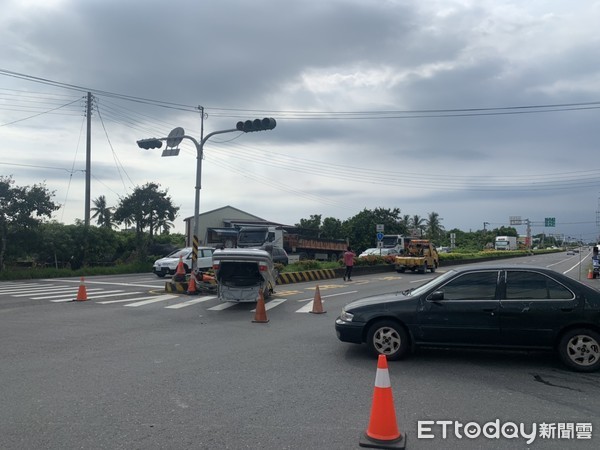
192	285
383	429
180	271
590	275
261	313
317	303
81	292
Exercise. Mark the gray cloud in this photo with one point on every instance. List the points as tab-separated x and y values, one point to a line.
286	59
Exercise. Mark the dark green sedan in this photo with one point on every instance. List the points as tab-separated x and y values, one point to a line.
510	307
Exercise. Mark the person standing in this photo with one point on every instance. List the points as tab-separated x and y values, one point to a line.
349	263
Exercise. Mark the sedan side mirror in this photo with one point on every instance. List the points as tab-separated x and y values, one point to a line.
436	296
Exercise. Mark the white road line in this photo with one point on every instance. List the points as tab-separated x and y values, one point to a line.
30	292
273	303
91	297
37	289
124	300
8	286
191	302
19	287
160	298
222	306
327	296
100	295
110	294
308	307
111	283
70	292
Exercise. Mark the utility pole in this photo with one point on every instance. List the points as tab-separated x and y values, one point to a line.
201	109
88	159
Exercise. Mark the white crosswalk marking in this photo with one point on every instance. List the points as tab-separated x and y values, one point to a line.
191	302
101	294
10	287
125	300
44	290
308	307
160	298
222	306
70	293
61	293
273	303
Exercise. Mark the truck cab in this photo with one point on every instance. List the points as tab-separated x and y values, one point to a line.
258	237
420	255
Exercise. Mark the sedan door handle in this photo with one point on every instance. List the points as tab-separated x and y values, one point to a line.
566	309
489	309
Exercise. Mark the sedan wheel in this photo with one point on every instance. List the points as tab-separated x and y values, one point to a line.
580	350
388	338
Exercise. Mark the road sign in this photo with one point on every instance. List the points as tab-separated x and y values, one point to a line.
175	137
379	236
550	222
379	228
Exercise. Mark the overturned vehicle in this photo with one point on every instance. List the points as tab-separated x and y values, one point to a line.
242	273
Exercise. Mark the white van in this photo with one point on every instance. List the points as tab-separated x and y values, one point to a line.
168	264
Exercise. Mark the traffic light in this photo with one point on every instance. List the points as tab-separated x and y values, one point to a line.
268	123
149	143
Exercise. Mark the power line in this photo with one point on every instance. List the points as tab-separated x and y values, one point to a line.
43	167
327	115
39	114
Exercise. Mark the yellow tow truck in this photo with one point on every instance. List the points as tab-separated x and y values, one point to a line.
420	256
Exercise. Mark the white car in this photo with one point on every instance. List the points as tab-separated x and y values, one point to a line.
378	252
168	264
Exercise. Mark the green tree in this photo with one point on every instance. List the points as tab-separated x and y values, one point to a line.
332	229
102	212
404	223
22	209
361	229
434	229
310	227
506	231
147	208
417	224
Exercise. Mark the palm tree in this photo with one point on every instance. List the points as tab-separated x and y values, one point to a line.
417	224
434	226
163	224
103	213
404	224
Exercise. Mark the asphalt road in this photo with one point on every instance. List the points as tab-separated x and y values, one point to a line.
133	368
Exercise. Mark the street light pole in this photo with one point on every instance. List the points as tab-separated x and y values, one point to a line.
199	156
173	141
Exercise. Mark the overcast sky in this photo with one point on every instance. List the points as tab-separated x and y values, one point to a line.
477	110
